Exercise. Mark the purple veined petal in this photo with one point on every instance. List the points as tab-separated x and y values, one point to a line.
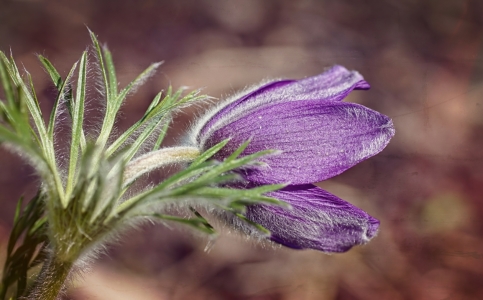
317	139
333	85
316	220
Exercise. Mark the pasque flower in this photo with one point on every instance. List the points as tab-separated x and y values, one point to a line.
307	133
318	136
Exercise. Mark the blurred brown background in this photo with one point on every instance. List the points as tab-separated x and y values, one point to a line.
424	60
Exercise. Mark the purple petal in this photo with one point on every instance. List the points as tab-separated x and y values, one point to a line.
334	84
317	139
317	220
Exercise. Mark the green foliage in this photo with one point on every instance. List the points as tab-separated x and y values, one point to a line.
24	246
83	205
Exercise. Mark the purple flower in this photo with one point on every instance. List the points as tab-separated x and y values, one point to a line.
319	137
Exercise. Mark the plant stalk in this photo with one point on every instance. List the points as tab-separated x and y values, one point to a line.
50	282
157	159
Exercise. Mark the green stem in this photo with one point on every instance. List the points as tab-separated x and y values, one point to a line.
157	159
50	282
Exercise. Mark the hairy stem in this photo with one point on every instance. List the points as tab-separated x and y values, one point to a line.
158	159
50	282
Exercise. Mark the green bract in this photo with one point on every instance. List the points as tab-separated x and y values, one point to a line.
81	206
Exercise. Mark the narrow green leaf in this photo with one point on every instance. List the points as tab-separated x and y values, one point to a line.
54	75
177	94
33	95
61	94
6	82
110	197
248	195
154	110
198	223
111	72
193	188
266	189
69	98
185	175
88	177
240	216
162	134
238	151
155	101
234	164
135	83
198	215
256	225
77	121
4	115
171	102
102	67
17	210
38	225
209	153
21	118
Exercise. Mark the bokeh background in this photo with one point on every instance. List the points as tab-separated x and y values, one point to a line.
424	60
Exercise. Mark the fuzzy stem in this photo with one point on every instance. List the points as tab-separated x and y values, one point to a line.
50	282
157	159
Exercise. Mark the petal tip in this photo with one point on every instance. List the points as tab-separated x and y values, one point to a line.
362	85
373	228
388	127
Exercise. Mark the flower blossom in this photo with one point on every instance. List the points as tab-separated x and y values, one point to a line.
318	137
